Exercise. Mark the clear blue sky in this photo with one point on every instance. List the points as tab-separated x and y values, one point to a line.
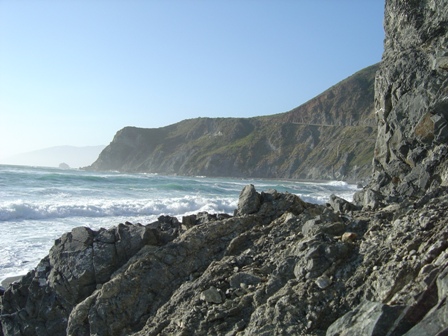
75	72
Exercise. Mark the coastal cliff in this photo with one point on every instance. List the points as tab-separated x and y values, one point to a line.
411	103
330	137
280	266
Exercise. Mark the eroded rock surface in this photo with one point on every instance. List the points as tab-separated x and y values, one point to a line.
290	268
411	102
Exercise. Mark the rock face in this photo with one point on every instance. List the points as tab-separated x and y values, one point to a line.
330	137
411	101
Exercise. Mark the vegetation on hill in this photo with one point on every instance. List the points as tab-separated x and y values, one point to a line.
330	137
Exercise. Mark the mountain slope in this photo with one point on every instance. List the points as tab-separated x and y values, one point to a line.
330	137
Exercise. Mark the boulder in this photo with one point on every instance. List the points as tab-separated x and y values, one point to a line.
249	201
341	205
211	295
367	319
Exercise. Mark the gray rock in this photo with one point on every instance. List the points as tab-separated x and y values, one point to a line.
436	320
369	319
341	205
323	281
410	98
237	279
249	201
78	263
211	295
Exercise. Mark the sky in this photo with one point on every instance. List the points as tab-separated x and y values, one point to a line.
76	72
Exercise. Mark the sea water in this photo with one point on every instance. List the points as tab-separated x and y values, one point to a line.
37	205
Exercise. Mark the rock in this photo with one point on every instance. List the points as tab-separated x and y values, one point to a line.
237	279
322	224
341	205
189	221
369	319
78	262
323	281
63	165
249	200
410	100
436	320
247	272
372	199
211	295
349	237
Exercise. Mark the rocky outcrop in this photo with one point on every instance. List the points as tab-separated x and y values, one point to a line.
79	263
330	137
280	266
411	102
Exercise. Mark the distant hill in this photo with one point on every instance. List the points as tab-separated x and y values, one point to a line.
74	157
332	136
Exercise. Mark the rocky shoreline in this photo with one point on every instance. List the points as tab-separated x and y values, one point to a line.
281	266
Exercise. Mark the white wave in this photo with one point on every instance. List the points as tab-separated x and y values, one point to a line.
26	210
336	183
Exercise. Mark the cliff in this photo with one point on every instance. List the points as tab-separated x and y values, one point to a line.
330	137
280	266
411	103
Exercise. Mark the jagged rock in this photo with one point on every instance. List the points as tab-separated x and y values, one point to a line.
249	201
436	320
244	274
189	221
78	263
323	281
369	319
410	100
341	205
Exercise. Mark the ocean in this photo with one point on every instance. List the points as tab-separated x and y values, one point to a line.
37	205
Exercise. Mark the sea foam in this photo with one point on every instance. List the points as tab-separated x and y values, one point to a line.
38	205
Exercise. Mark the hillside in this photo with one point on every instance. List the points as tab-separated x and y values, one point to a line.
330	137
